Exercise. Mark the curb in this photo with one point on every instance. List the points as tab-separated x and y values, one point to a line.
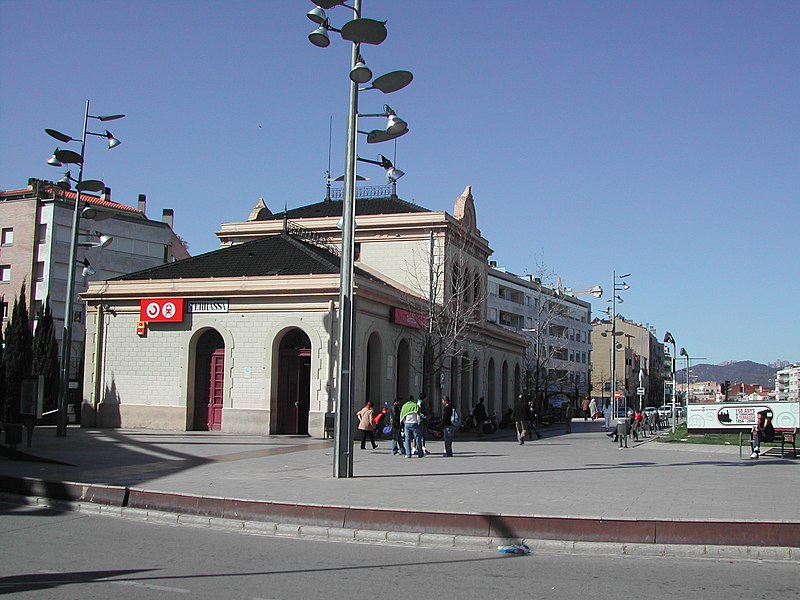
783	534
415	539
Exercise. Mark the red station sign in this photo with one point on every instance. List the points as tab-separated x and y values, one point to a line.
161	310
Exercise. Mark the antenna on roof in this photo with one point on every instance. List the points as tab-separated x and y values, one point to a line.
328	172
285	217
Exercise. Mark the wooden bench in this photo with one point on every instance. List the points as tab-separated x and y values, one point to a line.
787	436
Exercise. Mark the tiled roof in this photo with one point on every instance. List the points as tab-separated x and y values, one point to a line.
96	200
364	206
70	196
279	254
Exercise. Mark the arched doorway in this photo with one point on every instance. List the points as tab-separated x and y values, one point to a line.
490	389
506	395
466	383
209	381
455	396
294	383
403	370
476	389
373	371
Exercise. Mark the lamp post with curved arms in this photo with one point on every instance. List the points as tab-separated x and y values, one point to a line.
688	359
669	339
358	31
59	158
617	285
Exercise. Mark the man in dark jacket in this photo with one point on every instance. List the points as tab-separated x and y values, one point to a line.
397	427
447	426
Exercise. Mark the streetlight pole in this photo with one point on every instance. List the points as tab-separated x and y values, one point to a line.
358	31
688	358
669	339
59	157
615	287
343	464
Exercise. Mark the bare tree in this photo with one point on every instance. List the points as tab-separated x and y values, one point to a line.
549	337
448	283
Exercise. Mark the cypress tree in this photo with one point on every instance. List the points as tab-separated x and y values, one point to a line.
17	356
2	370
45	355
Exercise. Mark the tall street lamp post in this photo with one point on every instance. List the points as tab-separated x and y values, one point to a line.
669	339
59	158
617	285
358	31
688	359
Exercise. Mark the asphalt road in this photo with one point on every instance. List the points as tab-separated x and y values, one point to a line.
49	554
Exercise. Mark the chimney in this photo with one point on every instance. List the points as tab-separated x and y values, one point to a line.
143	204
106	195
167	216
493	263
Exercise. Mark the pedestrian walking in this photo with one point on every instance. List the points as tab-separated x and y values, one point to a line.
424	415
397	427
568	413
520	416
607	414
585	408
447	426
479	414
366	425
593	408
409	416
532	416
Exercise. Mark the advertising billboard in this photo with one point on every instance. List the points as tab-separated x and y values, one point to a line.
740	415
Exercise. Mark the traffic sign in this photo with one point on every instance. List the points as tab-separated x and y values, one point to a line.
617	394
640	391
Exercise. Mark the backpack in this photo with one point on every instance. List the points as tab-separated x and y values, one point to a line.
455	418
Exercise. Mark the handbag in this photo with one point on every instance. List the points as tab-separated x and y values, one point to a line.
387	430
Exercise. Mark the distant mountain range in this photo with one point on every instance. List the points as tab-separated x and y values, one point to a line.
745	371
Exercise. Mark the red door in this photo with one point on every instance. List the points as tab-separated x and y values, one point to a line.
216	381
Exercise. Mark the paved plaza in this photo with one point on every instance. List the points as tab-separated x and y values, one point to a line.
578	475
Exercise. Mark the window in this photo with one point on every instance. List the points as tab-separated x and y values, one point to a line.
4	310
357	251
5	273
7	236
39	271
41	234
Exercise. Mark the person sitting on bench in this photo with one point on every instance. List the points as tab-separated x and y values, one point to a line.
763	431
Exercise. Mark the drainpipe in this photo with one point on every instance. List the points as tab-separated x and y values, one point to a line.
331	354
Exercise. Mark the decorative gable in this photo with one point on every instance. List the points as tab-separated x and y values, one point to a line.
464	211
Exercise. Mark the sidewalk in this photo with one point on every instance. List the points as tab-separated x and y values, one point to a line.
570	486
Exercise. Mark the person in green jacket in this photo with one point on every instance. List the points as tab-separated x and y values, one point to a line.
410	417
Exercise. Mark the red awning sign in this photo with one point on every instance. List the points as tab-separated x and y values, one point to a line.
161	310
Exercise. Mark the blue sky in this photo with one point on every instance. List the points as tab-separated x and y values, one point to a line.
656	138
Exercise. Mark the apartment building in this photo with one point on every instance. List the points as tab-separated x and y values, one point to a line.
557	326
35	237
640	361
787	384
